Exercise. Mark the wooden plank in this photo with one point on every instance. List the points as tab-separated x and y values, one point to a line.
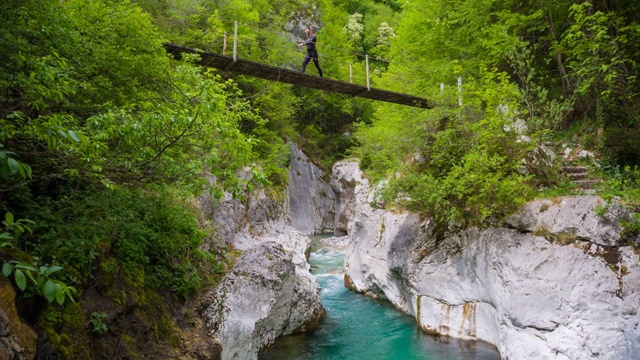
268	72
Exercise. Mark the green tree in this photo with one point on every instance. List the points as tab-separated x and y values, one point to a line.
355	32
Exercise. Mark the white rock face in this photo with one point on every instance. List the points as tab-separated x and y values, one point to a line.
575	216
264	296
351	190
311	198
530	298
259	218
270	291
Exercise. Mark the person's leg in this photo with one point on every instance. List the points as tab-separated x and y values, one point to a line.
306	60
317	64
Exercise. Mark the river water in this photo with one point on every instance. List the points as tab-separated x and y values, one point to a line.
358	327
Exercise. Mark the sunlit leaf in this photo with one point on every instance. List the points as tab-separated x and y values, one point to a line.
74	136
9	218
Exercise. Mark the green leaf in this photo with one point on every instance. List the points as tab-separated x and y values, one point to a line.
7	269
13	165
51	144
74	136
59	293
40	281
5	235
49	291
24	266
69	290
30	275
3	154
50	270
21	279
9	218
22	171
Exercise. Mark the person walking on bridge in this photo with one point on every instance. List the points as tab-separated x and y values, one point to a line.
312	52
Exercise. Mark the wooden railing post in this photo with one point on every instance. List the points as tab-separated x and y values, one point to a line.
351	73
224	45
368	82
459	90
235	42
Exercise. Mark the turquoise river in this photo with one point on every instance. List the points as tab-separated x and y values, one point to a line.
358	327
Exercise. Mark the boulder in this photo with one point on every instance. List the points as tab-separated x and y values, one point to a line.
530	298
264	296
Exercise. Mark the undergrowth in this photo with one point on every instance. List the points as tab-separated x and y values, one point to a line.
151	231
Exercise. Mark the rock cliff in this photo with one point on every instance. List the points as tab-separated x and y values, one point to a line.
311	198
556	284
270	291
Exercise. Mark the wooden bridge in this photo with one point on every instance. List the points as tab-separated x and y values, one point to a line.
251	68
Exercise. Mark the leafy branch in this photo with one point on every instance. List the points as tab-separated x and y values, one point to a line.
26	273
41	278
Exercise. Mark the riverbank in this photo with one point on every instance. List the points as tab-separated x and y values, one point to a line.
359	327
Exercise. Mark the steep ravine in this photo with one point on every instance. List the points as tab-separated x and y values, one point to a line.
573	293
557	283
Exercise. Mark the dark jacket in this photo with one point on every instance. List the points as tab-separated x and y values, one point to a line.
311	43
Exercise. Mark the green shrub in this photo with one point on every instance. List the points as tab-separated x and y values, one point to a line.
623	145
460	165
97	322
40	279
148	231
622	182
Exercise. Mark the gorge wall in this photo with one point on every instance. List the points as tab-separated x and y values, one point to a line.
311	199
516	287
270	291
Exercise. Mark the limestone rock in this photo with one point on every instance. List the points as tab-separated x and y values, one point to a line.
260	218
311	198
576	216
17	340
336	242
270	291
264	296
351	189
530	298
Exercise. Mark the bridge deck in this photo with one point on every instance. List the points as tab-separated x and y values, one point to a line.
273	73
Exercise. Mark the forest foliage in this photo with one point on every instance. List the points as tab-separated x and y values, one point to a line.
561	66
99	124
